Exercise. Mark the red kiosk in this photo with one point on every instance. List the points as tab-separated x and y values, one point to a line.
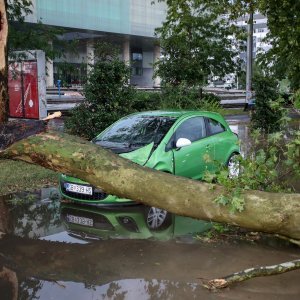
27	86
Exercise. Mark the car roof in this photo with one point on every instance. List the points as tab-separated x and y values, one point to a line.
183	113
177	113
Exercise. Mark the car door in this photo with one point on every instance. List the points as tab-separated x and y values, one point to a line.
191	161
220	139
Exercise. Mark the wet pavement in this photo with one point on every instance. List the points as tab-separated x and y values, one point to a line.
65	251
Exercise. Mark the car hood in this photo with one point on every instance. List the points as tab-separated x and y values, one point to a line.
139	156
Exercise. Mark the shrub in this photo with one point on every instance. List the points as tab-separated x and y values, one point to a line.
269	114
146	100
184	97
108	96
296	99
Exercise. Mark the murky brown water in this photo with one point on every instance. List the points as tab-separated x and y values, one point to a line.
55	251
120	257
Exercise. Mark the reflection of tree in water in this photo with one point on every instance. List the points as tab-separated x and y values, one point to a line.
114	291
29	288
30	217
164	289
152	289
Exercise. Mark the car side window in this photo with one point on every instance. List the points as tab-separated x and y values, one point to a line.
214	126
192	129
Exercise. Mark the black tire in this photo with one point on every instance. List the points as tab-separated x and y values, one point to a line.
233	166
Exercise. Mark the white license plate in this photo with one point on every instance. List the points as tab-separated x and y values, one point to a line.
80	220
81	189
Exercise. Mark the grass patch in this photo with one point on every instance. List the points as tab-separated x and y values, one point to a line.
18	176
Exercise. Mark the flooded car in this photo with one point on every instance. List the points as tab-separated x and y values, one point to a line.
184	143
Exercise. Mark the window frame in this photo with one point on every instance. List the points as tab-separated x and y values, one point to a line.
171	143
208	129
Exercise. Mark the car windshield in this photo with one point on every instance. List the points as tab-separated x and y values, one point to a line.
136	131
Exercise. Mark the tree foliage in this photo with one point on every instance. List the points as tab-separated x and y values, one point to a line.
269	114
284	35
196	43
283	21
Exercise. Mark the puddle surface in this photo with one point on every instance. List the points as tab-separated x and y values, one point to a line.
64	251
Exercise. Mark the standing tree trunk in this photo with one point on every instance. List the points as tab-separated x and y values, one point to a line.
3	62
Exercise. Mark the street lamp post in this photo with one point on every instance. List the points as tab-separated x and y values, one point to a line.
249	60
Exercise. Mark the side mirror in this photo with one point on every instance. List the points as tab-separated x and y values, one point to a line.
183	142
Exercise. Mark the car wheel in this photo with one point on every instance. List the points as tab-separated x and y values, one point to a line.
233	166
157	218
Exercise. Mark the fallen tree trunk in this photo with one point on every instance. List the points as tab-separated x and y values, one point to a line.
267	212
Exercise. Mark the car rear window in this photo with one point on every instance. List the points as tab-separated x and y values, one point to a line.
214	126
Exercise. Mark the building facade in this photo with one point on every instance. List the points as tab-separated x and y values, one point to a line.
128	24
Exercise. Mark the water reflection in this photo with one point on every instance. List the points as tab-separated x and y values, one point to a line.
40	215
34	214
126	223
122	289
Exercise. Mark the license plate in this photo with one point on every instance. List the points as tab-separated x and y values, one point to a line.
81	189
80	220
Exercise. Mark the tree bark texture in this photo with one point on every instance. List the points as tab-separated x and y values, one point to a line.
267	212
11	278
3	62
14	131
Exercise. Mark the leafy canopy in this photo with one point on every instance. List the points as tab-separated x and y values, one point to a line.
283	21
284	35
195	40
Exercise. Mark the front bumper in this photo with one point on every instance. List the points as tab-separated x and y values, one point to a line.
97	197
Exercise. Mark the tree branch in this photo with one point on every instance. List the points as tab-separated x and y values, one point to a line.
252	273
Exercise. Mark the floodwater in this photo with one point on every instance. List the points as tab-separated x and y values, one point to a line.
118	256
55	250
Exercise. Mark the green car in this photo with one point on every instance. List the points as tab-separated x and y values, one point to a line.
184	143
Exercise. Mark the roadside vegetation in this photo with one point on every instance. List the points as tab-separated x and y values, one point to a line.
108	97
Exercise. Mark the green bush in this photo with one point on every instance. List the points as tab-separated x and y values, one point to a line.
146	100
269	114
184	97
296	99
108	96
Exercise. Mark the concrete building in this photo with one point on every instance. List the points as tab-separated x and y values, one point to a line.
129	24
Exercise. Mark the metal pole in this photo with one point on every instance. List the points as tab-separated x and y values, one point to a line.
22	91
249	59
